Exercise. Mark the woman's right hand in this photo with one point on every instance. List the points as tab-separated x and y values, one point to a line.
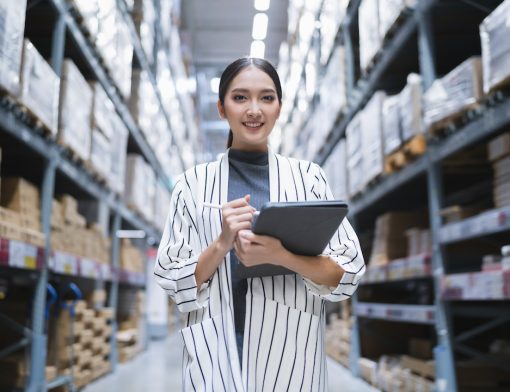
236	215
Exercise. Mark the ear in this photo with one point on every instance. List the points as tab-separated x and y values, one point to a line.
221	109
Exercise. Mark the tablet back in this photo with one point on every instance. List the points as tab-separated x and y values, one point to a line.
304	228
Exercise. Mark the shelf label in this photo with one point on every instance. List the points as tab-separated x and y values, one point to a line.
22	255
65	263
88	268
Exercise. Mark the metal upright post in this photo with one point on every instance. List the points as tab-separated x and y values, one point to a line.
443	352
114	289
36	379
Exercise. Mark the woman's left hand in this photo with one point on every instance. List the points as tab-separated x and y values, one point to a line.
253	249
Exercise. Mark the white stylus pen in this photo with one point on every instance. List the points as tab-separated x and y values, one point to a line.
218	207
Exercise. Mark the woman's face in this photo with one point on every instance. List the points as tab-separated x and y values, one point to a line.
251	108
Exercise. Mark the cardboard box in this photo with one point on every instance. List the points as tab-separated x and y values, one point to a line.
392	134
100	153
369	36
499	147
389	12
368	370
11	46
10	216
372	137
419	366
20	195
421	348
494	32
410	107
354	155
454	92
75	111
102	110
39	87
119	154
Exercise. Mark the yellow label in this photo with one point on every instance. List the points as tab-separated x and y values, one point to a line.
68	268
30	262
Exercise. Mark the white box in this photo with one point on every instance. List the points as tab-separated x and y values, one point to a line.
75	110
372	140
119	152
12	26
101	153
102	110
411	107
39	87
389	11
355	155
392	133
369	37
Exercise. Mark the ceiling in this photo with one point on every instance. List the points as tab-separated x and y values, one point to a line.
218	32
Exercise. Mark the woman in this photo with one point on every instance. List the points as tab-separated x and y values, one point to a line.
263	333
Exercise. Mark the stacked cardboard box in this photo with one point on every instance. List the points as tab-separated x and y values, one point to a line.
21	212
131	326
75	111
355	155
70	234
131	259
336	171
389	239
11	47
494	31
499	155
162	205
39	88
140	186
419	241
338	335
391	131
119	153
143	102
332	15
369	35
410	108
371	135
460	89
79	344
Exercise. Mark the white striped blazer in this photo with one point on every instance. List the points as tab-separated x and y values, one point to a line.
285	315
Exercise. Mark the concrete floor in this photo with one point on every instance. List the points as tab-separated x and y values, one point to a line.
159	370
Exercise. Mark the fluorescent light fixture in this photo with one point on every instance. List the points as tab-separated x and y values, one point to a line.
130	234
262	5
259	26
257	49
215	85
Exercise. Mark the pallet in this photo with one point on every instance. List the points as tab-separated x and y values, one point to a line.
455	120
408	152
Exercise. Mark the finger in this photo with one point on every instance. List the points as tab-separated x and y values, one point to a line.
239	210
240	226
237	203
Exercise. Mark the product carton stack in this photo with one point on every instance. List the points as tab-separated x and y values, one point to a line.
70	234
39	88
131	259
143	102
389	13
369	36
119	154
88	13
11	47
448	97
499	155
131	326
101	134
162	206
389	239
101	342
392	134
75	111
372	137
355	155
20	211
338	335
140	186
494	32
410	108
335	169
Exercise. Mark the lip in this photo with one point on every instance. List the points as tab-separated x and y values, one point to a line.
253	125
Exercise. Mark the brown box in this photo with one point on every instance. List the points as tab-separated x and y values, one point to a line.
419	366
420	348
368	370
20	195
10	232
499	147
10	216
457	213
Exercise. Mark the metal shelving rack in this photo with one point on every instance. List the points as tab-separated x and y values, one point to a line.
57	162
418	25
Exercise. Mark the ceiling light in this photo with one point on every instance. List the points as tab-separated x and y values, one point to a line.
257	49
262	5
259	26
215	85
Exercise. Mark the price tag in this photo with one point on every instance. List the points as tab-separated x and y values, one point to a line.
22	255
65	263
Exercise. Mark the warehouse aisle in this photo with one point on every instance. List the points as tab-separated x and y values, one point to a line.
158	370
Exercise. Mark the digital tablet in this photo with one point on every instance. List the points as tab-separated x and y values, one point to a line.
304	228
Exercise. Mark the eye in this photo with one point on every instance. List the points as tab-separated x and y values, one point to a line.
238	97
268	98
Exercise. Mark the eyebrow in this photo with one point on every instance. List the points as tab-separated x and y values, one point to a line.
245	90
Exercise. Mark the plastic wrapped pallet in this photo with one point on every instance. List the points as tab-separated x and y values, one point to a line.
494	32
101	153
12	26
119	151
371	137
336	171
135	192
102	111
392	133
75	111
369	37
410	107
39	87
144	16
390	11
355	155
454	92
89	11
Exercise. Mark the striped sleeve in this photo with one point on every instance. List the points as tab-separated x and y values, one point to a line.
343	248
178	253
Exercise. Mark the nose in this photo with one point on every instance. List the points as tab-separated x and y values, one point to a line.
253	109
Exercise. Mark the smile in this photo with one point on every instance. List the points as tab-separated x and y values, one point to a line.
253	124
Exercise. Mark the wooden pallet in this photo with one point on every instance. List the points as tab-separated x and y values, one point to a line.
455	120
408	152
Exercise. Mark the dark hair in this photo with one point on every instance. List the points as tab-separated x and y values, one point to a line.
234	68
